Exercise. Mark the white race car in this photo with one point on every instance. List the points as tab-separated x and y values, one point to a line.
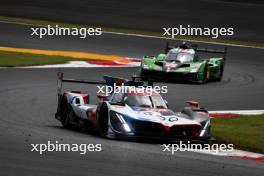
132	113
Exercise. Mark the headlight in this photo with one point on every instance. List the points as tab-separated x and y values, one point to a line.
145	66
195	69
126	127
123	122
120	117
207	124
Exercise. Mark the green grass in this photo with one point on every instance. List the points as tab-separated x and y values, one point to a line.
245	132
130	31
15	59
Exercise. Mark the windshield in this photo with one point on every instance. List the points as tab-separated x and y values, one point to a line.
154	101
182	57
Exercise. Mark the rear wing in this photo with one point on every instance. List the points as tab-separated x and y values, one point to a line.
197	49
61	79
108	80
208	50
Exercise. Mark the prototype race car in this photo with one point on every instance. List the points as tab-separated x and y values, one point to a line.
183	63
137	112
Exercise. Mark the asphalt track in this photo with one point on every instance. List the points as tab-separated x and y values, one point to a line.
244	16
28	103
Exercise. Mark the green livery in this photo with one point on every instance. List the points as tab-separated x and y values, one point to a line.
183	63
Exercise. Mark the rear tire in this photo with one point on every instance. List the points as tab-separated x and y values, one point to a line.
221	73
66	123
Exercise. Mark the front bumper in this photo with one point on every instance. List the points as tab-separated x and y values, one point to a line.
170	76
146	129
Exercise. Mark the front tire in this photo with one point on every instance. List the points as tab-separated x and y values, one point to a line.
206	76
143	74
103	119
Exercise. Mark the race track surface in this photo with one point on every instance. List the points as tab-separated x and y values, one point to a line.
244	16
28	103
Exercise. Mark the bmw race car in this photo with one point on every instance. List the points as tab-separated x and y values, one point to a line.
135	112
183	63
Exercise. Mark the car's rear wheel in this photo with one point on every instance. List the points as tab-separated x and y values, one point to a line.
67	119
221	73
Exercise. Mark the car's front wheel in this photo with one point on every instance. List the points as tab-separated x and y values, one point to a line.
206	76
143	74
103	119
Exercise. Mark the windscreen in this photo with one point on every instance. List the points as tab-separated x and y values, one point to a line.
182	57
153	101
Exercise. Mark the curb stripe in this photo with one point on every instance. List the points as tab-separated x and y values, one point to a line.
236	112
223	115
83	64
106	63
258	159
238	154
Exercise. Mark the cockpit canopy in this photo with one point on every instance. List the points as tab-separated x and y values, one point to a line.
180	55
140	99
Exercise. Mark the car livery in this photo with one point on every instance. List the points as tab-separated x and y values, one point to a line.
133	113
183	63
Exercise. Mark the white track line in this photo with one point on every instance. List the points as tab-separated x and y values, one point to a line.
150	36
188	40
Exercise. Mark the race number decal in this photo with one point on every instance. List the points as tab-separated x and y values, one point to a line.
173	119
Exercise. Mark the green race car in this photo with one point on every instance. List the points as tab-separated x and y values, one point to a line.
183	63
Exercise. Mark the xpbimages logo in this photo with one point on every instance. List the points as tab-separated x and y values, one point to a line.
62	147
108	90
188	30
183	146
64	31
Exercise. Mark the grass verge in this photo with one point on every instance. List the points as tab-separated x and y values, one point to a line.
245	132
130	31
15	59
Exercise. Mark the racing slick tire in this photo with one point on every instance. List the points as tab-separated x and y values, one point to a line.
66	123
143	75
103	119
221	73
206	76
62	111
191	114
